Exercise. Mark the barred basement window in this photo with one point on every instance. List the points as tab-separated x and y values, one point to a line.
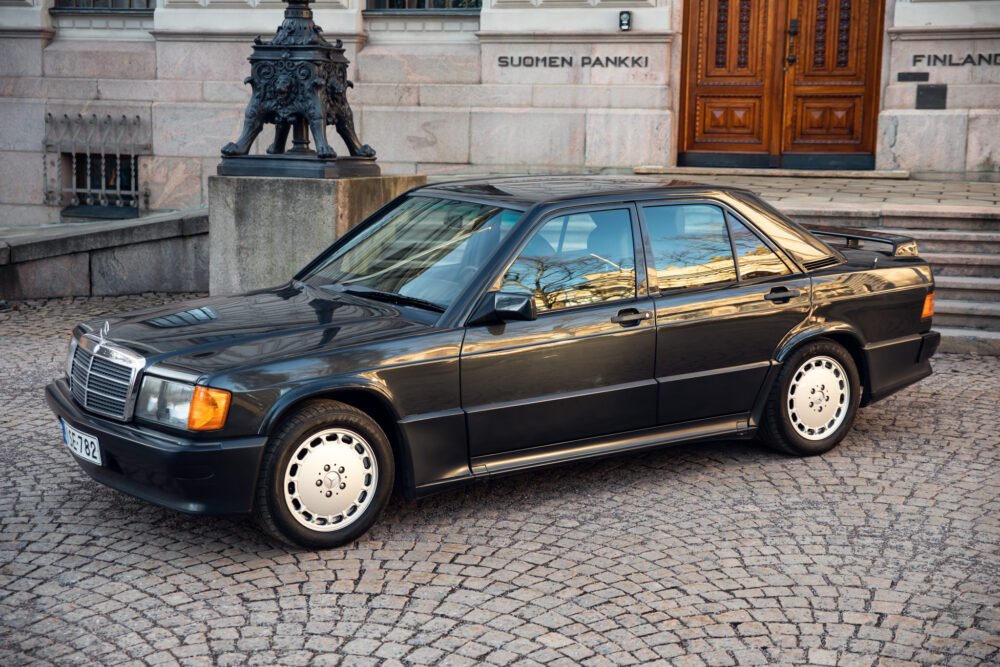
106	5
96	161
424	4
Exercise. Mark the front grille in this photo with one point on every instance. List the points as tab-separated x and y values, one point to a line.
101	385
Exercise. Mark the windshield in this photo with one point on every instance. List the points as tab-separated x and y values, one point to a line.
425	248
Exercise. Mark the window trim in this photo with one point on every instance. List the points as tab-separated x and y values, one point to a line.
638	251
727	211
654	277
730	219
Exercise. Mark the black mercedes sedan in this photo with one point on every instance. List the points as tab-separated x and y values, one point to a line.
479	328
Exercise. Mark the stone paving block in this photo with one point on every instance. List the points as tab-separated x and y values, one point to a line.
637	578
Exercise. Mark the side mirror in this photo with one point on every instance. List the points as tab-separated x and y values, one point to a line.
502	307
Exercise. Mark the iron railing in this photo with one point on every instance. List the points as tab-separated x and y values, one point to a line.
96	159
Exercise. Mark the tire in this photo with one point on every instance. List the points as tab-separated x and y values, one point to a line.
813	403
326	475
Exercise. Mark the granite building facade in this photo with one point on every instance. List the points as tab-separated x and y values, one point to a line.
511	86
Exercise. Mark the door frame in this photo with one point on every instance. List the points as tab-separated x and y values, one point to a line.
777	158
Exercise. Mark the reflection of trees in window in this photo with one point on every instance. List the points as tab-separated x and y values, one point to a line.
577	259
755	258
561	281
426	248
690	245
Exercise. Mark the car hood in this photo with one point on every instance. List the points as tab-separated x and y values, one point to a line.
223	333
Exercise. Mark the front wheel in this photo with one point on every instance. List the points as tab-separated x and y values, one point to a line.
814	401
326	476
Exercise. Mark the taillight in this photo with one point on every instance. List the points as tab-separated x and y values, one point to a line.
928	306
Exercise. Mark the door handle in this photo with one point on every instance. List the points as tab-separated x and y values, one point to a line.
780	294
793	31
631	316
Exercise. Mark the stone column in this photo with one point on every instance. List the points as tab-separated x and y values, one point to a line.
263	230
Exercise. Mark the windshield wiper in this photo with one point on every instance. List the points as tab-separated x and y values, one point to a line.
392	297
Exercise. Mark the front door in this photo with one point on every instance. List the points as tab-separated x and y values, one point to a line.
770	83
584	368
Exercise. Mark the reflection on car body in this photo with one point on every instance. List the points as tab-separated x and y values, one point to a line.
482	327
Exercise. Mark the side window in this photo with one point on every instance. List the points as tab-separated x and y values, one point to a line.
755	259
690	245
576	259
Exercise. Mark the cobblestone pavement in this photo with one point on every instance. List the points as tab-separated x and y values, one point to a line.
886	550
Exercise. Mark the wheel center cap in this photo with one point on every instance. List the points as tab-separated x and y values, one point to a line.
331	480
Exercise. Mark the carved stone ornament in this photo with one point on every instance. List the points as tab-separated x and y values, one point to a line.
299	83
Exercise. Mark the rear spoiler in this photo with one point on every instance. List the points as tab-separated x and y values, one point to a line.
853	238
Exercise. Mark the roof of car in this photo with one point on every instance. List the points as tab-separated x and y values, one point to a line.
530	190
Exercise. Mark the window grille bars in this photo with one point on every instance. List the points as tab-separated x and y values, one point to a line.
425	4
96	159
105	5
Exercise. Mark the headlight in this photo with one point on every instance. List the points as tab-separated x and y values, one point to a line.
73	344
182	405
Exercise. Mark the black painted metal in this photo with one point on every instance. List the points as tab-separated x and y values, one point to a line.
299	82
932	96
737	160
852	162
913	76
298	166
463	399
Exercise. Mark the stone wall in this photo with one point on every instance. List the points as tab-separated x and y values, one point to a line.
540	86
431	96
162	253
941	98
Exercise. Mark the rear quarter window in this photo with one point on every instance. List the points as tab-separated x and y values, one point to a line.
792	238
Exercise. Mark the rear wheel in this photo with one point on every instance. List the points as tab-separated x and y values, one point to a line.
814	401
326	476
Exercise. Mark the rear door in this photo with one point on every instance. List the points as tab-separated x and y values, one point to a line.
585	366
725	298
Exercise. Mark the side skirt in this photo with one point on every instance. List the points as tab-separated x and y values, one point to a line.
548	455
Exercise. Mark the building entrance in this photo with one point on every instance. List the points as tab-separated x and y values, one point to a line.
772	83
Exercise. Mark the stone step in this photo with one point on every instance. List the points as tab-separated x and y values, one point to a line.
967	314
967	288
957	340
961	241
963	264
864	215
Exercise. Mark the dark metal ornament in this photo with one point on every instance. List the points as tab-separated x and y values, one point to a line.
299	83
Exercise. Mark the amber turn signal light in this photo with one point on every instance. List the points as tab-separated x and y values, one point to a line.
928	306
209	408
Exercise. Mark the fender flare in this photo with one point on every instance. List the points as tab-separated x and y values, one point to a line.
818	330
796	339
329	388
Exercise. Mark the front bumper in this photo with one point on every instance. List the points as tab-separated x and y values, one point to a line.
193	476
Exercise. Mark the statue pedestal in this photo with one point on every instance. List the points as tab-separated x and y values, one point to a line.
263	230
289	165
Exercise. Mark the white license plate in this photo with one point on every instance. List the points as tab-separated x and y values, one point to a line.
83	445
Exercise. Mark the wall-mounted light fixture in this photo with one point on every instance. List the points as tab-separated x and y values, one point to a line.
624	21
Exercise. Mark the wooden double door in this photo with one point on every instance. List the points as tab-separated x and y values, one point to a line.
780	83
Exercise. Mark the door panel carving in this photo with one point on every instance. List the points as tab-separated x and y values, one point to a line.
751	88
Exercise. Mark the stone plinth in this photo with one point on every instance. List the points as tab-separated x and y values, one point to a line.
263	230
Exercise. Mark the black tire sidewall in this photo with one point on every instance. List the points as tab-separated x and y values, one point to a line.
288	442
793	441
